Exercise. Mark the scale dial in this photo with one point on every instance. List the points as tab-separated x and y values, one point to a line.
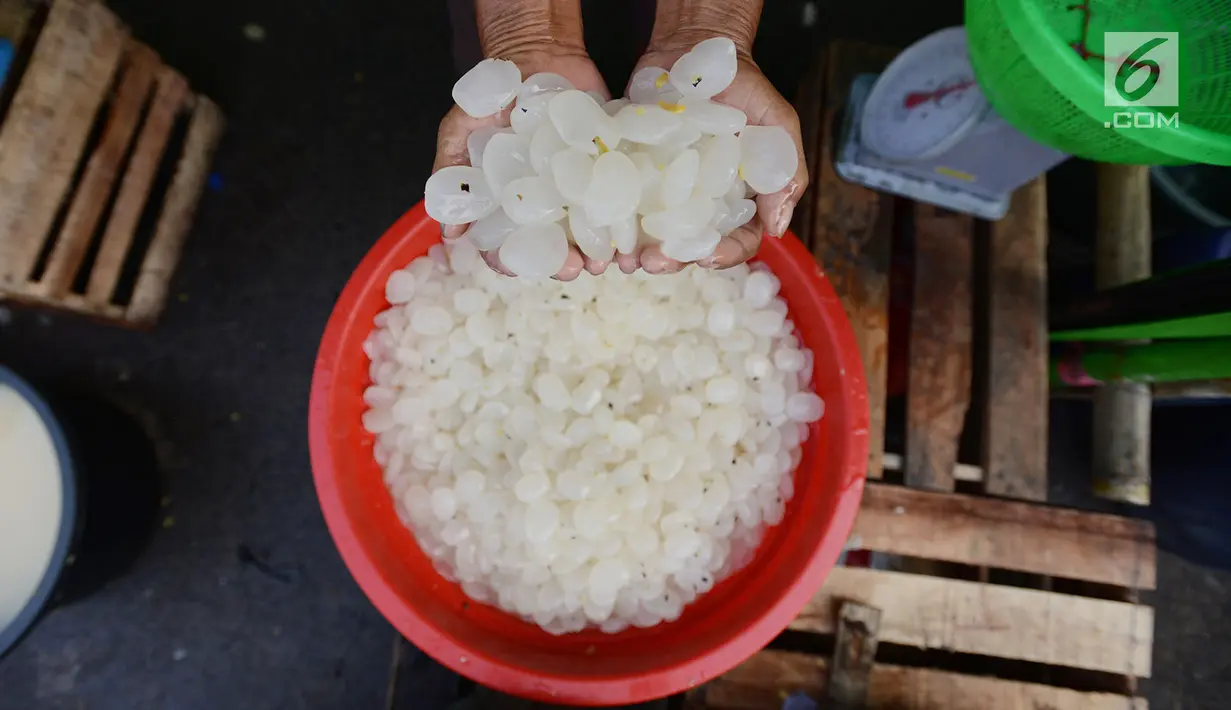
925	102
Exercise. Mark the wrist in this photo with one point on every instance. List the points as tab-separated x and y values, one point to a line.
512	28
681	24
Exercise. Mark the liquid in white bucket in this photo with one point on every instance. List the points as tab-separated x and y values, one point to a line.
31	502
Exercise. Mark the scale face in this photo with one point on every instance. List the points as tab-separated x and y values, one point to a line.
925	102
922	129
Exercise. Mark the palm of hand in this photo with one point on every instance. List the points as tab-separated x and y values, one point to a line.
753	94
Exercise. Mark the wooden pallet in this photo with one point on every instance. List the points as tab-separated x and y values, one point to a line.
104	154
985	603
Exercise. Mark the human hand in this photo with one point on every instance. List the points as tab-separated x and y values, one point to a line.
451	140
538	36
751	93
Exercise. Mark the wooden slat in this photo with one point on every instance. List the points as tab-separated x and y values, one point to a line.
98	181
808	105
192	171
48	124
1015	426
1122	409
938	392
852	237
138	179
991	620
988	532
760	683
854	655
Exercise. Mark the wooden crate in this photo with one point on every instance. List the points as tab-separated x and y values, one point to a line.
987	603
104	154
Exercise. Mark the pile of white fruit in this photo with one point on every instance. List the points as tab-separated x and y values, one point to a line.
598	452
664	165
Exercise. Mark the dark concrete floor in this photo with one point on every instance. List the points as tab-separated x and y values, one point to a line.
332	120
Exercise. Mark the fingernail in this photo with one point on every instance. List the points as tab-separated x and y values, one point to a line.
706	263
784	220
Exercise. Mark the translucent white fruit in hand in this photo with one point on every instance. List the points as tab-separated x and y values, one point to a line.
545	143
651	183
767	158
679	139
535	251
580	121
571	170
681	222
487	88
612	107
804	407
614	190
719	165
679	178
693	248
624	234
713	118
649	124
490	232
542	82
529	113
458	194
646	85
730	216
477	141
594	242
706	69
532	200
506	158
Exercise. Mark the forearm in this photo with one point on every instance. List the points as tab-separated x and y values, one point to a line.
680	24
510	27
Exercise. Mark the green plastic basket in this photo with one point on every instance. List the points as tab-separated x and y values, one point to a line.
1026	58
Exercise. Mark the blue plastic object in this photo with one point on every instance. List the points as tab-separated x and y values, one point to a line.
6	58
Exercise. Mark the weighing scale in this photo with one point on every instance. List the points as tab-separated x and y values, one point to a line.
922	129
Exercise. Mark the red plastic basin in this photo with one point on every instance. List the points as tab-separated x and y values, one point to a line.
716	633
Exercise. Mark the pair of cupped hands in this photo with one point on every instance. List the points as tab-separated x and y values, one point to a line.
750	92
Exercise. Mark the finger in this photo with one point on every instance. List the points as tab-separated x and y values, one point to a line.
776	209
628	263
452	148
573	265
737	247
493	262
655	262
455	129
597	266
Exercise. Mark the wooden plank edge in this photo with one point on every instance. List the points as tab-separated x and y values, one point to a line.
69	302
192	171
136	184
852	234
102	170
48	123
1015	422
991	620
941	358
1006	534
761	683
